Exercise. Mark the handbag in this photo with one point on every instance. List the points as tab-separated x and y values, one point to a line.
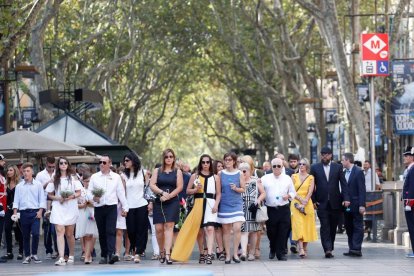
148	193
261	214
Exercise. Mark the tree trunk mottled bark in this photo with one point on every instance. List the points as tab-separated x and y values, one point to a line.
327	21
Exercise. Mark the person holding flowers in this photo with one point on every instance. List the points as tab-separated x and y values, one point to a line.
86	226
63	192
107	189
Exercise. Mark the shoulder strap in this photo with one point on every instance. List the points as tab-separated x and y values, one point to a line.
302	182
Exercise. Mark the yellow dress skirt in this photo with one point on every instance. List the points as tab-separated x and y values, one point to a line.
186	239
303	226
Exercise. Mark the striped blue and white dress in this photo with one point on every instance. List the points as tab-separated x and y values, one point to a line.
231	203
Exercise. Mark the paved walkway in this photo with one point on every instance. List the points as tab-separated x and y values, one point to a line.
378	259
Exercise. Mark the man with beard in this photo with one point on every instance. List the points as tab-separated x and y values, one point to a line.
331	192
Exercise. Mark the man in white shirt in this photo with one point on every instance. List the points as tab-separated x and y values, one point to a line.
367	173
49	234
106	207
279	188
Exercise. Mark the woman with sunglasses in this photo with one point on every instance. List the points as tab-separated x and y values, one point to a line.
206	188
230	213
63	192
137	219
303	214
166	183
252	198
86	228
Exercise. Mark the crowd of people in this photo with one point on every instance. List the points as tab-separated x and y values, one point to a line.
216	206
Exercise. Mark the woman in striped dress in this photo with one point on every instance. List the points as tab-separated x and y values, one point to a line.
254	194
230	213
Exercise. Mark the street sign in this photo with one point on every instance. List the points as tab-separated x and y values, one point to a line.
374	54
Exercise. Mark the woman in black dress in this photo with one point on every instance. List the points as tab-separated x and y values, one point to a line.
166	183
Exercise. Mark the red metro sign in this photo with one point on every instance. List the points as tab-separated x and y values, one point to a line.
374	54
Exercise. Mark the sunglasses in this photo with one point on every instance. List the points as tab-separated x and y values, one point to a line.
63	163
168	156
205	162
126	160
277	166
103	162
302	164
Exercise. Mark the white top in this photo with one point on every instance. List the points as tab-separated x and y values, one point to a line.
44	177
135	190
65	213
111	183
276	187
368	180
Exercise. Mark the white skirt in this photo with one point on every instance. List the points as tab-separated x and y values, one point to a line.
86	224
120	220
64	214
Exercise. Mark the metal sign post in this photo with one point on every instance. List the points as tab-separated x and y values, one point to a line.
374	62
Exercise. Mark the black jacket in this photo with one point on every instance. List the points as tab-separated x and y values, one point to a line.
329	192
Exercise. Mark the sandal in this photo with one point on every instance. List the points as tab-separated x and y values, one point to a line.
162	257
169	261
257	253
208	258
202	259
221	256
302	253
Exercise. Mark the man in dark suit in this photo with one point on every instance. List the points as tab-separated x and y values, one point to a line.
408	194
331	192
354	221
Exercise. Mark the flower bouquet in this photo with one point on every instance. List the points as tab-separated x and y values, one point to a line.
66	194
98	192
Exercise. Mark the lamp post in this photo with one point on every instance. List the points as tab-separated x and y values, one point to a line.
311	136
292	147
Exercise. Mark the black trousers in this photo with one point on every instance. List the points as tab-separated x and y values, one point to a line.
137	228
329	221
8	227
105	217
354	225
409	217
278	227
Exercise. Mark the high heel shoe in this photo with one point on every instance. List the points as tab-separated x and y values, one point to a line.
202	259
209	258
168	260
237	261
161	258
302	253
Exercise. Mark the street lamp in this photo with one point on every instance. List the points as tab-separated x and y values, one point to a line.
292	147
311	135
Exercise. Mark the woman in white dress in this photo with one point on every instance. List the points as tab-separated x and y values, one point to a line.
86	225
63	192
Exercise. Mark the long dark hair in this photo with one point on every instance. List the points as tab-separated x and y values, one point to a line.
58	173
200	165
136	164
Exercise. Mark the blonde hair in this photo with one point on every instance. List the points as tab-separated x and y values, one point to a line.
249	160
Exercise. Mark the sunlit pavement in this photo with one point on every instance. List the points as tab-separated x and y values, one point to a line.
378	259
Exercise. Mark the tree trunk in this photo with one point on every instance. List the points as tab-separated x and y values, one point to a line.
326	18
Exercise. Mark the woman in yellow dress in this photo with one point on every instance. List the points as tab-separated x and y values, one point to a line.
206	188
303	214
